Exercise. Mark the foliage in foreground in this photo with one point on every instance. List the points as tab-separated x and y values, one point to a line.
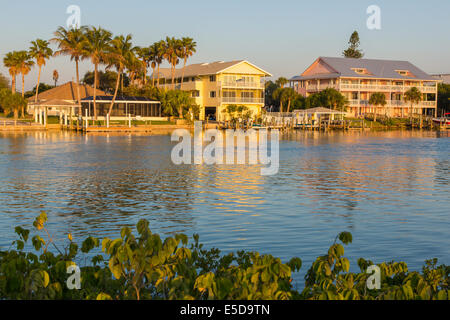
143	266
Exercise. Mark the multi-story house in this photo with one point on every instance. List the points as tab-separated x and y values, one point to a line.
358	79
216	85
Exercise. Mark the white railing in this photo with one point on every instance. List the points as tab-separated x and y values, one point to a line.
241	84
321	87
242	100
394	103
374	87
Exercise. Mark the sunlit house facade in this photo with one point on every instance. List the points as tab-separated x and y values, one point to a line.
216	85
358	79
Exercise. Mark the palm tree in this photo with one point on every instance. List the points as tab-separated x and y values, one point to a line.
134	66
120	52
144	55
290	95
281	82
188	48
414	96
153	56
10	61
55	76
377	99
172	54
160	48
24	67
96	46
40	51
279	95
71	43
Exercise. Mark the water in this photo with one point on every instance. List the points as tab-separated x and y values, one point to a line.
390	189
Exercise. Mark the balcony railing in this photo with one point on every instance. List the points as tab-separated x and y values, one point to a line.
394	103
374	87
242	100
241	84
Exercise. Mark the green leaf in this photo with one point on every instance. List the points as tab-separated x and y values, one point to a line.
346	237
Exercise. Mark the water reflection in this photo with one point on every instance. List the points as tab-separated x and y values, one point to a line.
390	188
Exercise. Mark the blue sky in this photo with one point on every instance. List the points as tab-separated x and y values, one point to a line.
283	37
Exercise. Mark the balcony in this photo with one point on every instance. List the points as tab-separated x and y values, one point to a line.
394	103
389	88
241	84
238	100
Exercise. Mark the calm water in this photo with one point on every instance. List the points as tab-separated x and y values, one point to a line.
390	189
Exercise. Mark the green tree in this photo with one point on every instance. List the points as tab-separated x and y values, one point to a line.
12	102
4	83
25	63
188	48
414	96
281	82
172	54
40	51
120	50
71	42
160	52
11	62
96	47
144	54
443	98
353	50
377	99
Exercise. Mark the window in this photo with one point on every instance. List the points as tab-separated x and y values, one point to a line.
405	73
195	94
212	94
229	94
362	71
247	94
212	78
354	95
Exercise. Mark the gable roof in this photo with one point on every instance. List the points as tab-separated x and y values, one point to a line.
67	91
378	68
201	69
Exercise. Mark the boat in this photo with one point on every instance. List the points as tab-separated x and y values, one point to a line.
444	121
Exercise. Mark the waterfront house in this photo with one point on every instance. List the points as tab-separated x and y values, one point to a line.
444	77
62	98
358	79
216	85
124	107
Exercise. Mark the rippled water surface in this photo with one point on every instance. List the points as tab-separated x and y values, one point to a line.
390	189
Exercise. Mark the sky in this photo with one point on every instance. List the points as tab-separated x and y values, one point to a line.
282	37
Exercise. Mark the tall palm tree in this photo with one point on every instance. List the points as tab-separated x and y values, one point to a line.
377	99
281	82
414	96
95	47
71	43
10	61
153	56
119	53
40	51
25	64
134	67
160	50
55	76
188	48
144	55
172	54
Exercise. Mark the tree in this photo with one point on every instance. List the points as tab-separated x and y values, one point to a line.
144	55
281	82
24	63
55	76
283	96
4	83
270	88
96	47
10	61
12	102
120	50
188	48
40	51
414	96
443	98
172	54
377	99
160	50
353	50
71	43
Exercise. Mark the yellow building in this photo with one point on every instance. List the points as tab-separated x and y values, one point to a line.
216	85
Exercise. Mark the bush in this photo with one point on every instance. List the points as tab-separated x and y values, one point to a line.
143	266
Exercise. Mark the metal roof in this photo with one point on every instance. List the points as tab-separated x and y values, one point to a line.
384	69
